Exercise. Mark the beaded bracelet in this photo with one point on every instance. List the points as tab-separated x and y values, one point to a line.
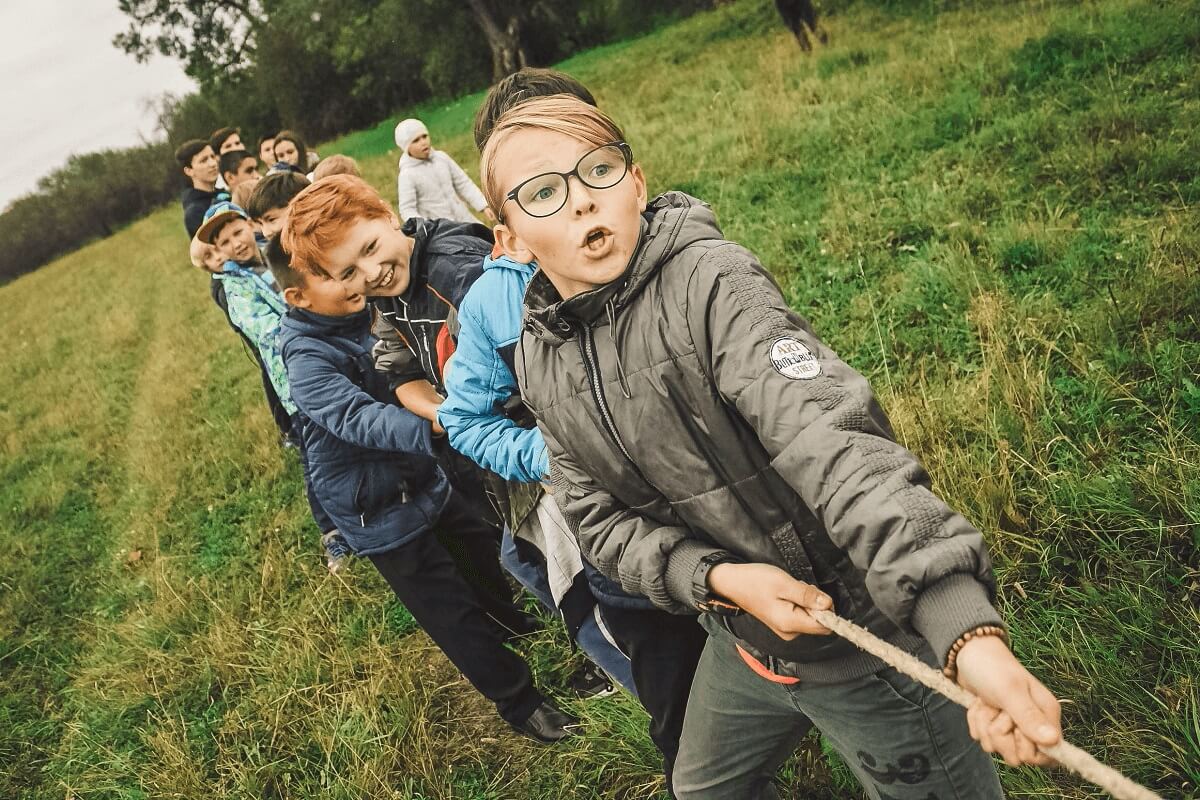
951	668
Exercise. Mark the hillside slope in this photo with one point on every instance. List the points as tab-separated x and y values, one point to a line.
991	212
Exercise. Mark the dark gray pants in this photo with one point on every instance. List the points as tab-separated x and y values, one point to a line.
903	741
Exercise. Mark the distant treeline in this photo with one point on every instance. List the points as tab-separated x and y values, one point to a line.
318	67
89	197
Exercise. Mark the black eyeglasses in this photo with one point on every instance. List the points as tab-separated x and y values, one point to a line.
602	168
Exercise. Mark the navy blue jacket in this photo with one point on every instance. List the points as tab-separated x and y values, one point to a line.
195	202
371	462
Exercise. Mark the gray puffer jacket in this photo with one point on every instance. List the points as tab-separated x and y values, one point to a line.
688	411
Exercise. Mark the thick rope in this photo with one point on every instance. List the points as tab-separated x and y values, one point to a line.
1065	753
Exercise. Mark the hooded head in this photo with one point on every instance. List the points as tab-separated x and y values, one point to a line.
407	132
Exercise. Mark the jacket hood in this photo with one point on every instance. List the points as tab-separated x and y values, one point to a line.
300	322
504	262
671	222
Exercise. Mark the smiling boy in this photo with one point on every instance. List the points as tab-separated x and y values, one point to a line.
255	308
374	464
718	456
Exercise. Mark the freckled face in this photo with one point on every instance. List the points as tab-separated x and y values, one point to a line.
591	239
378	252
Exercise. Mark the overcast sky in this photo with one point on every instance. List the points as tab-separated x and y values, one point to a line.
65	89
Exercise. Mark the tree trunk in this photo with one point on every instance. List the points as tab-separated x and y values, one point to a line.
508	55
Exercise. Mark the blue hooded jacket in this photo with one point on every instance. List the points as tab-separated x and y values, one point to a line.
371	462
482	390
482	381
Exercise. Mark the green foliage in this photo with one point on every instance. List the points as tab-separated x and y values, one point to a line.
989	211
91	196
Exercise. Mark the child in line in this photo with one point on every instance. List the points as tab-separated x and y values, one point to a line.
225	140
291	154
240	197
486	420
200	166
431	184
238	167
255	309
416	275
374	465
268	205
337	164
772	483
266	150
206	257
425	269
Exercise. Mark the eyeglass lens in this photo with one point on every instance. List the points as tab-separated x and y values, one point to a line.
601	168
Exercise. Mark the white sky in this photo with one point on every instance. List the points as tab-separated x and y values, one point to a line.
65	89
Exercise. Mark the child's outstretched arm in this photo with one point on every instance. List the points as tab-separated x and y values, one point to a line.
479	384
333	401
406	377
926	567
465	187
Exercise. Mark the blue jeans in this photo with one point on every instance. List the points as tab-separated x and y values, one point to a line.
593	638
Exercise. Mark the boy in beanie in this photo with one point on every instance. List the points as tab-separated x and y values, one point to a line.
431	185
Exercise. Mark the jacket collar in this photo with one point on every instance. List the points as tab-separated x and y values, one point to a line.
670	222
323	325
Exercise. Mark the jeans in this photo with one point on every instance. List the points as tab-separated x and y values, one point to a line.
592	638
664	650
902	740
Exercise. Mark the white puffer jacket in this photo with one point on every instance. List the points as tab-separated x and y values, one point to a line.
437	188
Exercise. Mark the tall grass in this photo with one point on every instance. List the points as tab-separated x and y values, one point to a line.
991	211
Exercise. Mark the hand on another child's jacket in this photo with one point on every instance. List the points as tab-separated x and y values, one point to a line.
772	596
1014	712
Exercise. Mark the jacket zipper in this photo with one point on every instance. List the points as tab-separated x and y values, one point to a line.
587	348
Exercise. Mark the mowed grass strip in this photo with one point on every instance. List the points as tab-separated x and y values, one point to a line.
990	211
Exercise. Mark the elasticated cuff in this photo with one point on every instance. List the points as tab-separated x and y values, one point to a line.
681	570
949	608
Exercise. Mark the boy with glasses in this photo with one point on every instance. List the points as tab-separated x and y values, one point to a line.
486	420
719	457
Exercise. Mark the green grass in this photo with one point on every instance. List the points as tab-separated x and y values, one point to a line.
990	211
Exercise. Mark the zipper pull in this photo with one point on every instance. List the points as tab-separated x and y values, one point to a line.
362	519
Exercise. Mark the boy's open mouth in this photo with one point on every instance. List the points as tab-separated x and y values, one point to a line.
386	278
596	239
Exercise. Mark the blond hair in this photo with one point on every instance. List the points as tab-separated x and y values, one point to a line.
197	252
558	113
241	193
336	165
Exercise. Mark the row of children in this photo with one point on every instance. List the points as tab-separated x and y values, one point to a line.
616	402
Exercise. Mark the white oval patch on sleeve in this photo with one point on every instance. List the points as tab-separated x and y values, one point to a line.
792	359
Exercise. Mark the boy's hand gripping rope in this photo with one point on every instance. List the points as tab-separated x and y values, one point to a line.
1065	753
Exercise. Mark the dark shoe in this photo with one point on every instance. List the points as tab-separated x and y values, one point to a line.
589	681
548	724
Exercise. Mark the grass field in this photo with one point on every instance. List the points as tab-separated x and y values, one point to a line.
992	212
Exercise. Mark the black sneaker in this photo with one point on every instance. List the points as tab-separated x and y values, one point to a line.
590	681
548	724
